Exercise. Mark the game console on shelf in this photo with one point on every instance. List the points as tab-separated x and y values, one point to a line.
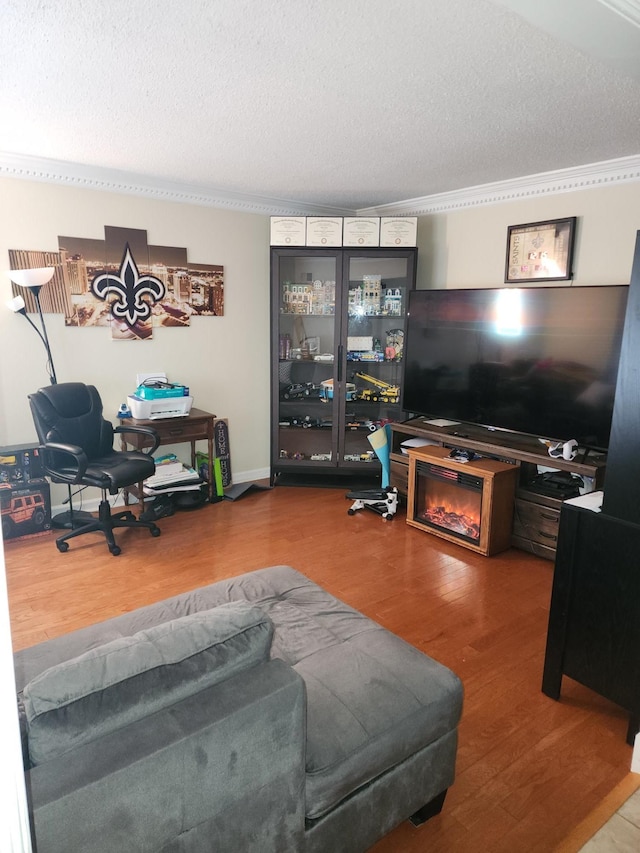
157	398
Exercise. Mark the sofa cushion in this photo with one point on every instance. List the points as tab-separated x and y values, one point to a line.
409	702
373	700
124	680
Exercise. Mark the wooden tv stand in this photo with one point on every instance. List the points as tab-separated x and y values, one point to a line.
536	516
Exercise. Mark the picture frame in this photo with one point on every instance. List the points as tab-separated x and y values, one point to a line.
540	251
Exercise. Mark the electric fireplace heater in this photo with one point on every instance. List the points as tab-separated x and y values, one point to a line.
449	500
470	503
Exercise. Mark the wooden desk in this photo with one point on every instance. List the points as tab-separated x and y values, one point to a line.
196	426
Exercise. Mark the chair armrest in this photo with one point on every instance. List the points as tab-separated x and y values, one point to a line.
153	435
73	450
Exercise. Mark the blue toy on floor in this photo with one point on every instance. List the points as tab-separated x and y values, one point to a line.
383	501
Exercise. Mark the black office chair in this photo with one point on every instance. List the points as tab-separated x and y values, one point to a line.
76	443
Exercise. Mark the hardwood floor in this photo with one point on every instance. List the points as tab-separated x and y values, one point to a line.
529	769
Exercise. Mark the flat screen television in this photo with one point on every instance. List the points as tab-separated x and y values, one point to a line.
537	360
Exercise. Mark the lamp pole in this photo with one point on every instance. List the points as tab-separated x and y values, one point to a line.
45	337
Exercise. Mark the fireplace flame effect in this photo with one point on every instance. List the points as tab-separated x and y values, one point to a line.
452	512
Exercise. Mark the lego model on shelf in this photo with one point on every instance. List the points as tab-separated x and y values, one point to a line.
338	324
383	391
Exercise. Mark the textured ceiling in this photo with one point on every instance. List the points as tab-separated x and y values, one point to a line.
340	104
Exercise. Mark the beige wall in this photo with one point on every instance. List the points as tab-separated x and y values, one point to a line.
467	248
224	360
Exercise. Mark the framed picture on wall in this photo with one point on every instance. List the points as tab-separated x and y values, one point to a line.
540	251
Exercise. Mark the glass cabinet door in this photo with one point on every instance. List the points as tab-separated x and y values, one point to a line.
377	298
306	340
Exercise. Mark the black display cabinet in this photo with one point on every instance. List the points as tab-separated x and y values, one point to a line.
338	324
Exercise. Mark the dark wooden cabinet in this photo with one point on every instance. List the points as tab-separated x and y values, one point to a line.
338	323
594	618
622	484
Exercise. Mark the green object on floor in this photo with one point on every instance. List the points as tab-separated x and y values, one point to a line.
217	477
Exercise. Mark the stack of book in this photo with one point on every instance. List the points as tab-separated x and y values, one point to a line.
172	477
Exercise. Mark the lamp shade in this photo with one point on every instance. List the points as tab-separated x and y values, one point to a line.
33	277
16	304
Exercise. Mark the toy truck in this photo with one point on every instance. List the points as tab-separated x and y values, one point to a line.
26	508
383	392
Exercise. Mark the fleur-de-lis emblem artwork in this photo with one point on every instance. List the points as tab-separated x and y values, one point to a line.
125	283
134	294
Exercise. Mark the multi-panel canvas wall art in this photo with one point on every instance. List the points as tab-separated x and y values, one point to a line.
124	283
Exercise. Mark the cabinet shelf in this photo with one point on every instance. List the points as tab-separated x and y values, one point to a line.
304	361
356	316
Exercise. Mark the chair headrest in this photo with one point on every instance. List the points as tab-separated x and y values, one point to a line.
70	399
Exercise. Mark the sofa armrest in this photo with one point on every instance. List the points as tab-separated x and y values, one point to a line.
219	770
130	678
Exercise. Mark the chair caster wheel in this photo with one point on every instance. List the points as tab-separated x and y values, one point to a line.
155	531
351	512
62	546
115	550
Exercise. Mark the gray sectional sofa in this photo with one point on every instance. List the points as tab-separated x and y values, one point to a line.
256	714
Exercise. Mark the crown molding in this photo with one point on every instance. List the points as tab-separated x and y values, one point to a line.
112	180
620	171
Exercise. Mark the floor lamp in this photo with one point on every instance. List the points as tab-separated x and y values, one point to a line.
35	279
